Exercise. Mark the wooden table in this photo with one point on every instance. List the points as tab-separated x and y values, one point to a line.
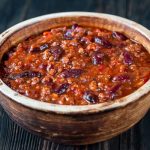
13	137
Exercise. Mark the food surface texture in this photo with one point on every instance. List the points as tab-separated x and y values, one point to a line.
76	65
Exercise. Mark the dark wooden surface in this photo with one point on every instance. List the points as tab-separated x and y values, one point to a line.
13	137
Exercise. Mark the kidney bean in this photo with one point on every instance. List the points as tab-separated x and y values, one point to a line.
26	74
62	88
127	58
97	58
85	40
90	97
57	52
34	50
72	73
68	35
103	42
122	78
119	36
39	49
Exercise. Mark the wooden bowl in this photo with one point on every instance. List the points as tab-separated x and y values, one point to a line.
75	124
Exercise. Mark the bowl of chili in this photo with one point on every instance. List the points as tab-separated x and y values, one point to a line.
75	77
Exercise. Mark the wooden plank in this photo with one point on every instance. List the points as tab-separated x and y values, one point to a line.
11	12
115	7
139	11
59	6
5	8
114	143
106	6
124	140
145	132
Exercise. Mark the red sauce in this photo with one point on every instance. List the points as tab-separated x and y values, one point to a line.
76	65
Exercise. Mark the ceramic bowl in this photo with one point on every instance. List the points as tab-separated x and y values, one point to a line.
75	124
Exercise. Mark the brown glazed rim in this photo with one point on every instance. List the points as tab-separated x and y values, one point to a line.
74	109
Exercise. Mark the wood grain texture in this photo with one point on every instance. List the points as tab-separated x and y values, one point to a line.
13	137
11	12
139	11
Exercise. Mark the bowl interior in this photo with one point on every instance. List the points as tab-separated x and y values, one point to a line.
34	26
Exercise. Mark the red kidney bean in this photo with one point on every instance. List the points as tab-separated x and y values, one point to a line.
90	97
57	52
122	78
72	73
68	35
62	88
97	58
85	40
26	74
119	36
34	50
39	49
127	58
103	42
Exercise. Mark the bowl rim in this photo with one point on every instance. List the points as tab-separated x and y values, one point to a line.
73	109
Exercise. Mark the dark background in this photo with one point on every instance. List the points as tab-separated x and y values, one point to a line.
13	137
